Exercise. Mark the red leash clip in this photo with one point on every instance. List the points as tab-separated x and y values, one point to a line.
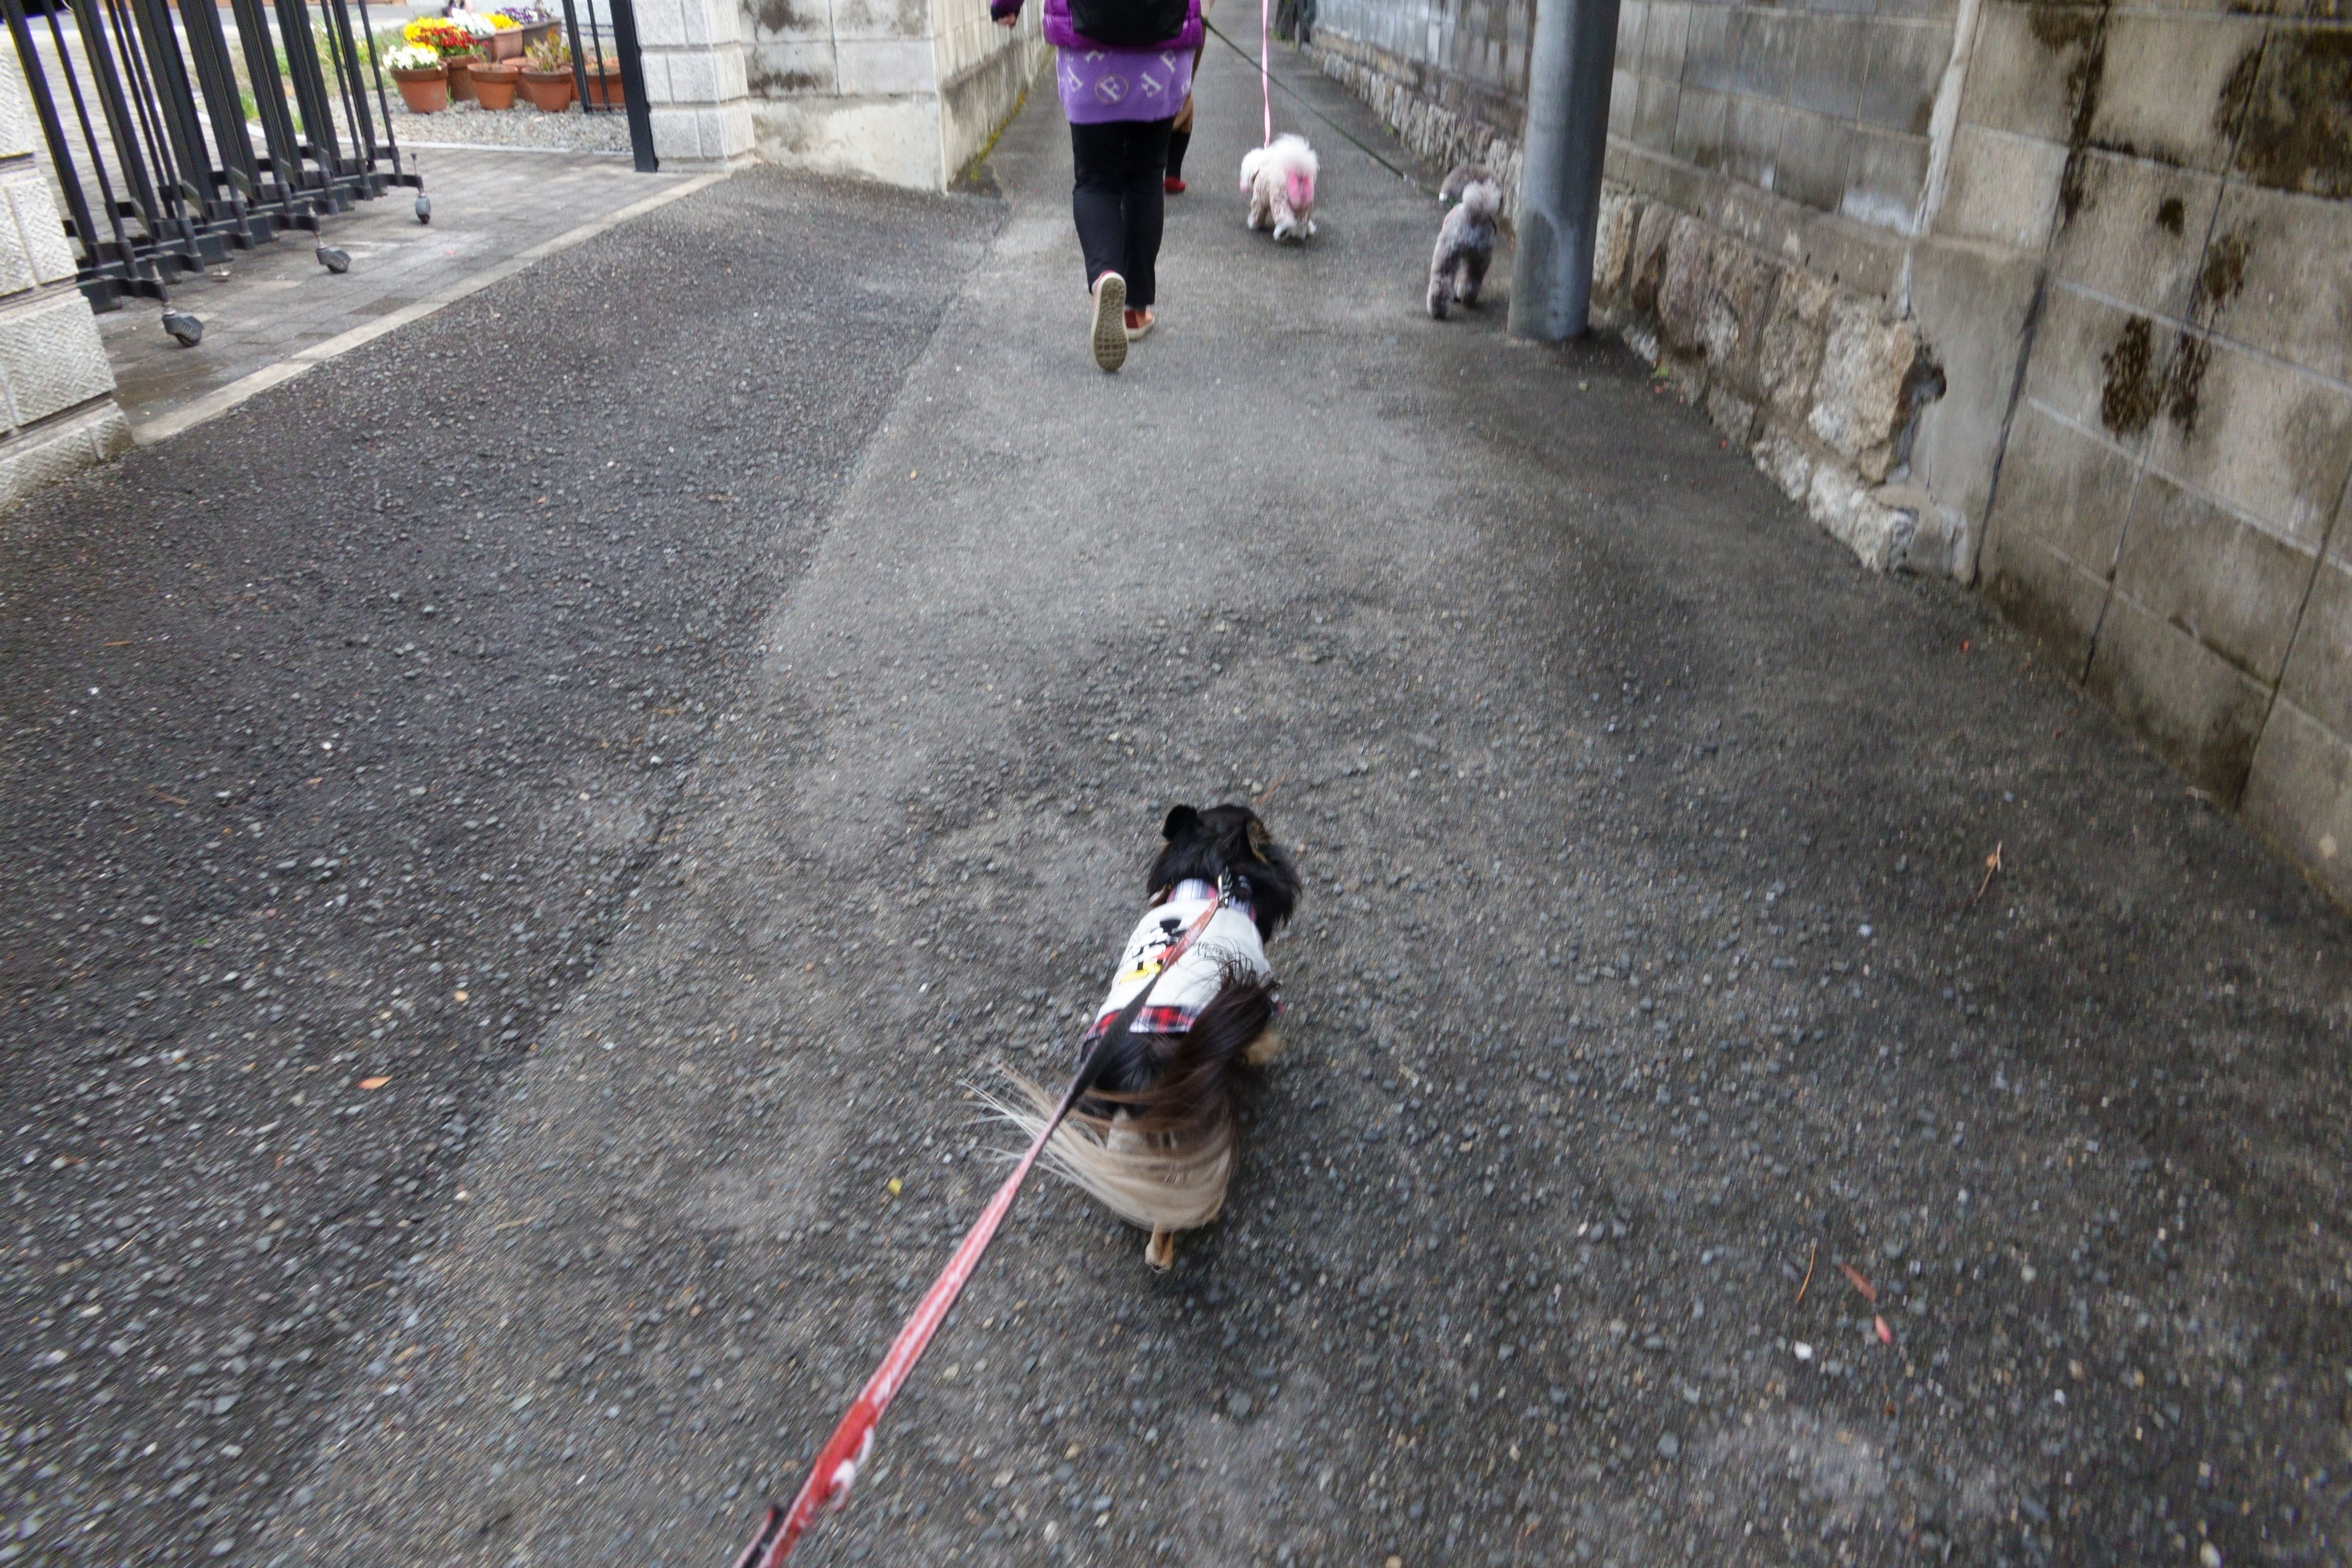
783	1527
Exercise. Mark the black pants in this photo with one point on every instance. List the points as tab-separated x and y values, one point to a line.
1118	200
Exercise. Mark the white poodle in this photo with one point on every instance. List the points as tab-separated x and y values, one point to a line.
1280	181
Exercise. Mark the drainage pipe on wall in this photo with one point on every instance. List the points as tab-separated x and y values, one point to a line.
1559	173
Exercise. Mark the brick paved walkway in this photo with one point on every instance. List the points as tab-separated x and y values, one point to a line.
269	304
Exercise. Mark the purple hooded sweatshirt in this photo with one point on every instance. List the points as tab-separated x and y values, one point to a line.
1099	83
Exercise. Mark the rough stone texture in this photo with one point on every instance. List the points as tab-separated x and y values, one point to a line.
1685	290
1983	226
1786	463
1878	535
56	390
1647	274
1790	355
1733	414
1738	304
61	448
1614	240
50	357
1938	533
1862	396
1591	732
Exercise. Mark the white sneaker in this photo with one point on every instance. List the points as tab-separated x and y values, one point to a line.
1109	326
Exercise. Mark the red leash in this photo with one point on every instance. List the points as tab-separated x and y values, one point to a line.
837	1463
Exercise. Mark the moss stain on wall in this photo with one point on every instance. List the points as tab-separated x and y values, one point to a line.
2297	95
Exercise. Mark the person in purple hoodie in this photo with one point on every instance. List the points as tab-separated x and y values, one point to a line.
1123	67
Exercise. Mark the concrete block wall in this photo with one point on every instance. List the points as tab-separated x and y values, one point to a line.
1828	105
2057	298
58	413
2170	517
905	91
1458	66
697	86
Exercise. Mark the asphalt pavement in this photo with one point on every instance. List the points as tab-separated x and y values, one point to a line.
1772	1075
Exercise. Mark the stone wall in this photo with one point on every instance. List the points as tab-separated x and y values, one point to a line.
1824	385
697	95
906	92
2054	298
2171	512
56	390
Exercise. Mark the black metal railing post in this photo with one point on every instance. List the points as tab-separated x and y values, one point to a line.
632	86
157	168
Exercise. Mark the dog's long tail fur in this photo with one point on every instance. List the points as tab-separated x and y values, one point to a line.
1163	1155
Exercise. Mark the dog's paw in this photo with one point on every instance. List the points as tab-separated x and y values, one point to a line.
1159	1252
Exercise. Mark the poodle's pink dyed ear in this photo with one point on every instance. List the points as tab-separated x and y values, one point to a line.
1302	189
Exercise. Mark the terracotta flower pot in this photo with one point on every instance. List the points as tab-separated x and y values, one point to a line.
549	92
605	91
505	45
461	78
494	84
424	91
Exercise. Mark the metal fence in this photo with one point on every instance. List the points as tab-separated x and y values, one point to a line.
167	158
601	30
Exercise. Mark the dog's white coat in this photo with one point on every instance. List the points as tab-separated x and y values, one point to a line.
1280	182
1230	936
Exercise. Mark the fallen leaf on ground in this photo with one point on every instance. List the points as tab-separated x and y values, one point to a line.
373	1082
1885	1334
1854	1279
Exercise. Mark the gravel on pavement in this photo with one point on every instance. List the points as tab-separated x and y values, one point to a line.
1689	1146
338	734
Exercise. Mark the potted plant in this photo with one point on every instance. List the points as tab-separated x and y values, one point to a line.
423	80
494	83
462	37
504	41
546	79
527	25
605	91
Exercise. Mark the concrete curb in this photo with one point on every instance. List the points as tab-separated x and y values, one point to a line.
217	402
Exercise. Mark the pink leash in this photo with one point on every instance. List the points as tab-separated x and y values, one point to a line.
835	1470
1264	80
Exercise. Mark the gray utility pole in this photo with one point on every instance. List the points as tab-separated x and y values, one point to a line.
1559	170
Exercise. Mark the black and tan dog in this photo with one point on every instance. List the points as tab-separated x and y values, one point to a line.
1156	1139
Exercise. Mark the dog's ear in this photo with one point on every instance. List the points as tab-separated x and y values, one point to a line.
1181	819
1258	838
